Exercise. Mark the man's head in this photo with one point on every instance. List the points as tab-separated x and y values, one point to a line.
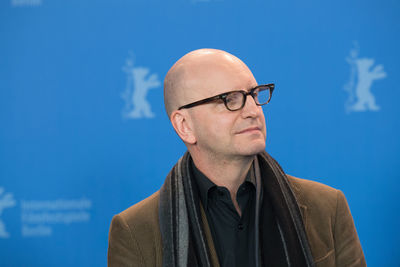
212	130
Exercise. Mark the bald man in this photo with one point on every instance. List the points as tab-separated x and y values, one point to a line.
227	202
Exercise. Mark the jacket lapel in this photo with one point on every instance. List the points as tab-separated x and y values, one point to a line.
298	196
303	211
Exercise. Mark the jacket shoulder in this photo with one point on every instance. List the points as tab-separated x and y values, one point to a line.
328	223
135	238
314	194
142	220
145	211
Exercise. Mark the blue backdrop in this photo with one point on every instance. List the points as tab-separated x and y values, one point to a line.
84	134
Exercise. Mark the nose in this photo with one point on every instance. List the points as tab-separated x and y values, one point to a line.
250	108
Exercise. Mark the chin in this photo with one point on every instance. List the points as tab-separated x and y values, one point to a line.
253	149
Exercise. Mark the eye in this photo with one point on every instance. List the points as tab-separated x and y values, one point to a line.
234	97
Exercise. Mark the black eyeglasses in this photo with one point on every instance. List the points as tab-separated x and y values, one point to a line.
235	100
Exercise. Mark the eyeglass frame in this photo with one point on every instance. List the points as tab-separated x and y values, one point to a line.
223	96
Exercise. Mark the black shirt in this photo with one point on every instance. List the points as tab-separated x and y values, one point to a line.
233	235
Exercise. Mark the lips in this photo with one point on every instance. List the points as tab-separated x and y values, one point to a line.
249	130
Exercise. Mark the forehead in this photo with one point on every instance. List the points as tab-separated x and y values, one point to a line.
217	77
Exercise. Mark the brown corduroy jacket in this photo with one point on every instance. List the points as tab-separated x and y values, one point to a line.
135	238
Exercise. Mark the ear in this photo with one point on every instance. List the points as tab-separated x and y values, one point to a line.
181	122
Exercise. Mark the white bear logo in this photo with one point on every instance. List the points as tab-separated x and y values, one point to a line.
361	79
6	201
138	83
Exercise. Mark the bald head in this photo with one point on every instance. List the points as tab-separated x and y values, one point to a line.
196	72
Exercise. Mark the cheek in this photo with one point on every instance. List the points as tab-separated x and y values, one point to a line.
215	130
214	124
223	127
265	130
207	128
264	123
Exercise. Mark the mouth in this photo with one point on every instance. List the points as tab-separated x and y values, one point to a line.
250	130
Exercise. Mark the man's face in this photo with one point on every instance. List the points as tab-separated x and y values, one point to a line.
218	131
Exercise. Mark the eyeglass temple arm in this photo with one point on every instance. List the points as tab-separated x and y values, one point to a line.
201	102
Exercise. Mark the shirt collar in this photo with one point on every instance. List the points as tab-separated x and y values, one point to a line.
204	184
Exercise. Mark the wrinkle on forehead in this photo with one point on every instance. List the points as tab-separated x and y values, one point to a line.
194	73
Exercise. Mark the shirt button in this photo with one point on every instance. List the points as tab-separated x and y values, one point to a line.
240	226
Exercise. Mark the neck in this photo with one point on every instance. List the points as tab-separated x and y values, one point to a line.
229	173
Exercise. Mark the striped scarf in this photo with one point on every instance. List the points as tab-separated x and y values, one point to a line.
183	236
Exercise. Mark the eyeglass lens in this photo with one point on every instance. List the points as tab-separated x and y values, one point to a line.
235	100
